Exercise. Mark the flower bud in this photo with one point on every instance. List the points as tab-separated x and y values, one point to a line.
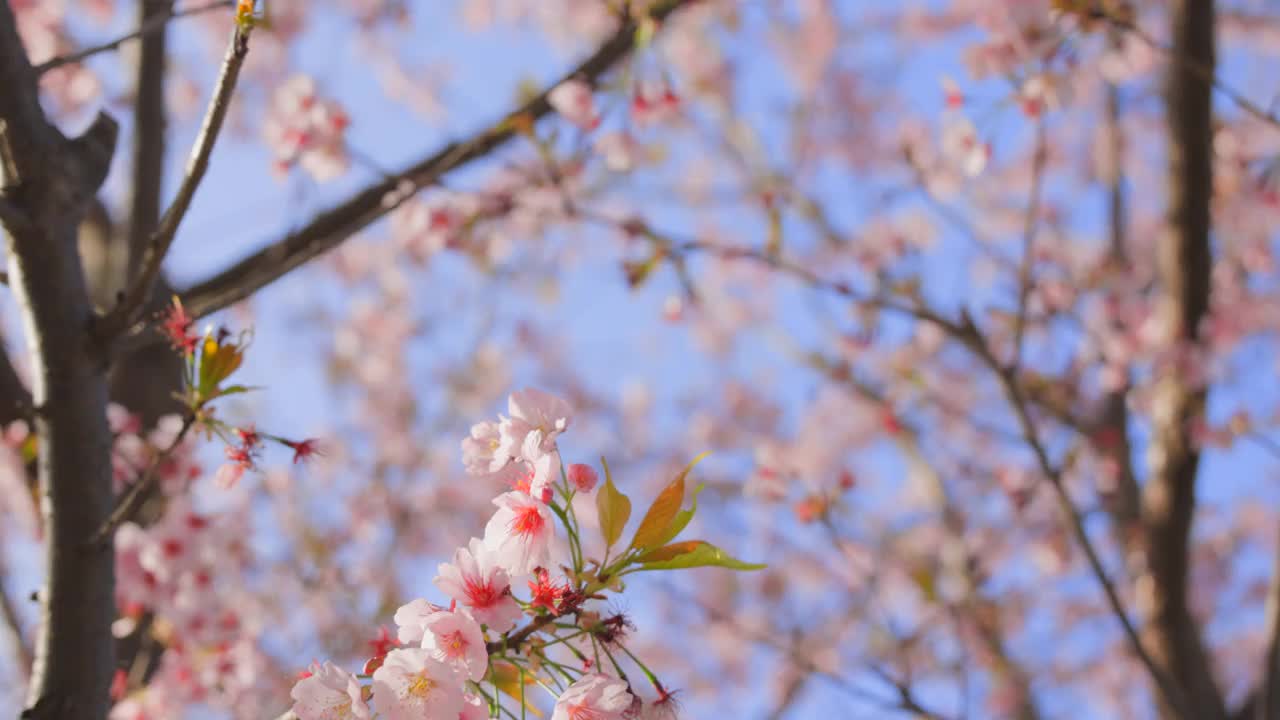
583	477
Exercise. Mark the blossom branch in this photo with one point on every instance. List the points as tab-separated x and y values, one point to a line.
1171	693
140	290
132	499
972	338
908	440
905	701
153	24
331	227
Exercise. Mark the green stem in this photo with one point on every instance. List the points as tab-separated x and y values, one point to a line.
653	679
614	661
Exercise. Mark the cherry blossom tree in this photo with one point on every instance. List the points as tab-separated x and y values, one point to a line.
973	305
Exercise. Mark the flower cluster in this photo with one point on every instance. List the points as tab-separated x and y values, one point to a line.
304	129
652	103
459	661
176	583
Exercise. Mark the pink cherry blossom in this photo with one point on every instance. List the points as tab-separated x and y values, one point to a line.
653	102
619	150
304	129
594	697
411	620
455	638
574	100
329	693
530	409
475	580
543	466
480	449
961	145
540	410
473	708
412	685
521	533
427	227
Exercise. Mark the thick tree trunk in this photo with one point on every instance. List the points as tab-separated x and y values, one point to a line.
1184	259
74	653
47	185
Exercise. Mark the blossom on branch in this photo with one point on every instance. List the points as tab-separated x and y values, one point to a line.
327	692
521	533
594	697
475	580
454	637
413	685
574	101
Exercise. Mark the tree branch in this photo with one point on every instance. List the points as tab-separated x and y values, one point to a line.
1184	259
154	23
148	132
1125	508
131	501
1039	159
24	131
1170	693
141	287
332	227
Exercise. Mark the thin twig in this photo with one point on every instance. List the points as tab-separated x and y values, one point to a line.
1013	392
513	640
906	700
152	25
136	297
132	500
1030	223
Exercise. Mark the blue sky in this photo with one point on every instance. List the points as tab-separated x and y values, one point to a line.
614	335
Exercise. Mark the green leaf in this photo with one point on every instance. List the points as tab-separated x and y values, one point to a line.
614	508
699	553
669	552
682	518
638	271
645	31
508	678
659	525
217	362
233	390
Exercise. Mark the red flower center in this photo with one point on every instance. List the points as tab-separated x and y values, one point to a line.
528	521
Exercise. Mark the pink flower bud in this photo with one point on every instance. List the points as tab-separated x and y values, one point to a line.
583	477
